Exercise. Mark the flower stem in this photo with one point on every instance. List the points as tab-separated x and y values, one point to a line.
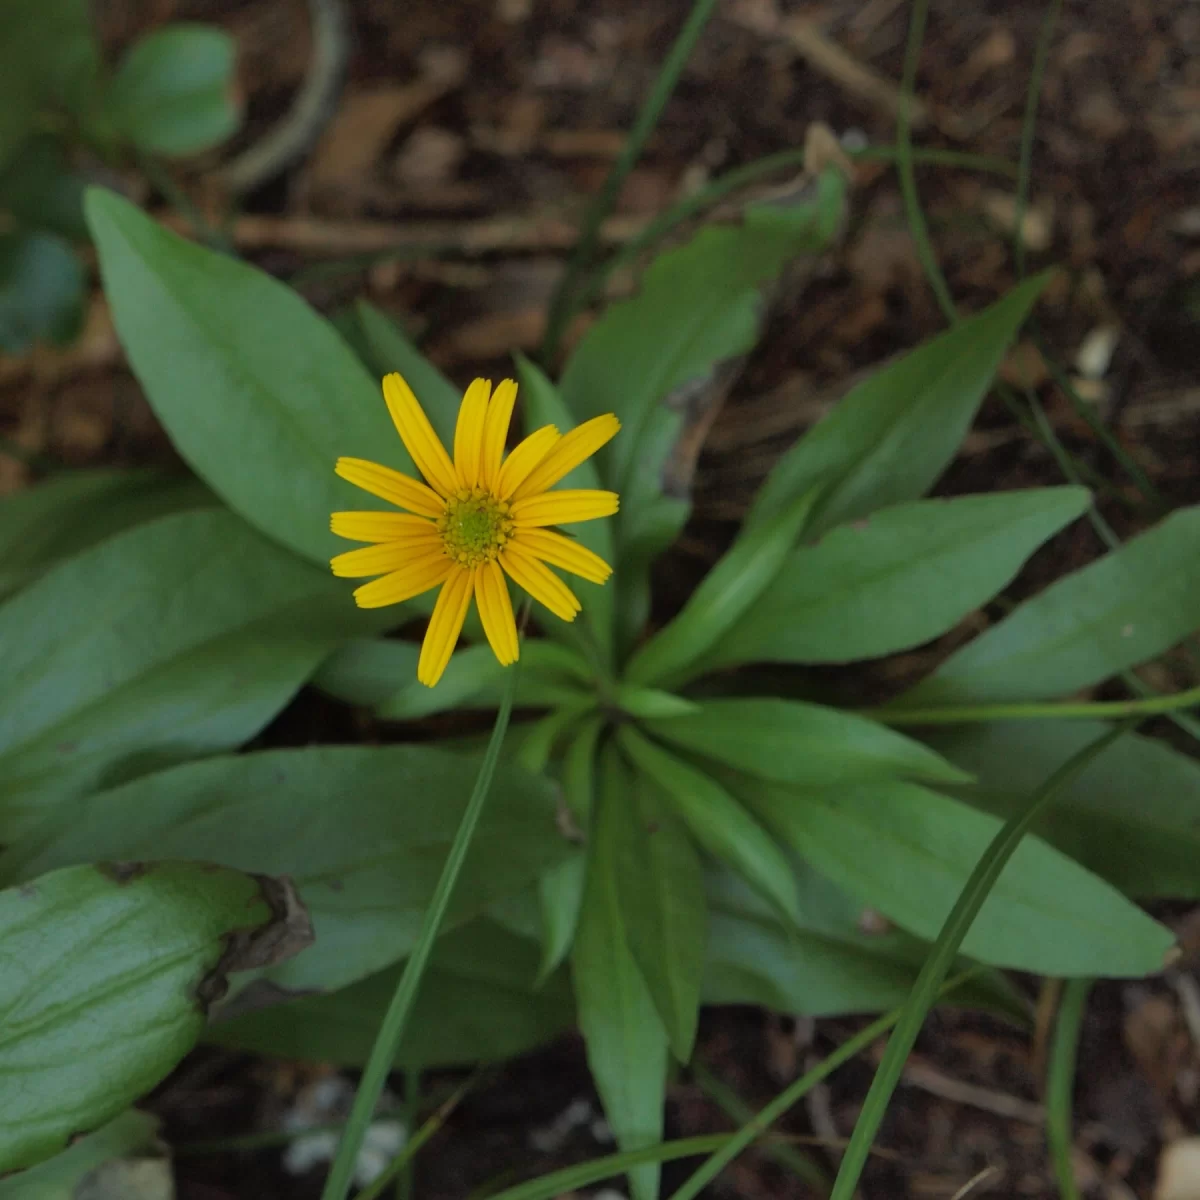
387	1041
969	714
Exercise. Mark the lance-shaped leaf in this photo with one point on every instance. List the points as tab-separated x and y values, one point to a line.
907	852
896	579
716	820
1123	609
660	889
724	596
626	1042
258	393
891	437
803	744
662	359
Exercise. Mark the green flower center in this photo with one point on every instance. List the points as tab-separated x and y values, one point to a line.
474	527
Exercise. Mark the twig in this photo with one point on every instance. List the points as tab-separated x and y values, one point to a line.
831	60
311	235
1013	1108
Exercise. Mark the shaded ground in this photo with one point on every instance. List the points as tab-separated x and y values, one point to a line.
483	127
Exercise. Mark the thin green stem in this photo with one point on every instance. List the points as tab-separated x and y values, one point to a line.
761	1124
972	714
1060	1083
904	164
738	1110
941	956
387	1041
581	257
400	1165
1029	128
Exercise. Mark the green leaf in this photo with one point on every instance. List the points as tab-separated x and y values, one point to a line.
908	852
660	890
176	638
1123	609
698	307
41	291
41	191
828	964
62	1177
717	821
173	92
363	832
897	579
389	349
110	973
53	520
651	703
258	393
891	437
477	1003
626	1042
541	405
1132	816
807	745
560	890
725	594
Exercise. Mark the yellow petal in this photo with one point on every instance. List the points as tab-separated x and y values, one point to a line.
571	449
445	625
540	582
564	507
381	527
495	432
393	486
418	436
468	433
523	459
379	560
410	580
563	552
495	611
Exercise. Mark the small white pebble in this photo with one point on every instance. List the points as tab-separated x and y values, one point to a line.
369	1165
306	1152
388	1137
854	140
1096	351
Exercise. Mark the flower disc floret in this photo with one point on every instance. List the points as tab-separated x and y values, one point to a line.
475	527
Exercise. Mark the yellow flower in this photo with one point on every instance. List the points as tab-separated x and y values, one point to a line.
475	518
